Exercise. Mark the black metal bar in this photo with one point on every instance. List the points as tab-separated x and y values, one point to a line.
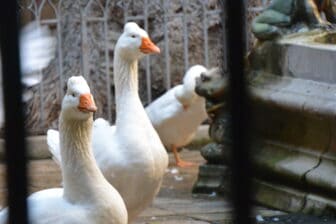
234	21
14	127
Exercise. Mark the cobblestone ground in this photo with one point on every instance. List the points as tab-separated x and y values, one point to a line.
174	205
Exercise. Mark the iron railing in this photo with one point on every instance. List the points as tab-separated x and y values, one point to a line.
14	127
92	12
15	147
109	15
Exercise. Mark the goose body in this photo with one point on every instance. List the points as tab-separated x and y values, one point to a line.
37	49
87	197
177	114
129	154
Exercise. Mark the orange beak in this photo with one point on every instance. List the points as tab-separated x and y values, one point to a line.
86	103
148	47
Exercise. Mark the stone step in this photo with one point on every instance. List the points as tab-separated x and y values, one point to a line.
278	195
297	219
294	133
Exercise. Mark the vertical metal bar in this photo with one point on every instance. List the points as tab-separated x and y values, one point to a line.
107	64
14	127
205	35
41	92
126	12
84	58
247	34
38	11
185	37
166	45
59	50
241	168
148	71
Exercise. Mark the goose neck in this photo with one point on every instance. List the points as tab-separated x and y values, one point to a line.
79	168
129	108
125	77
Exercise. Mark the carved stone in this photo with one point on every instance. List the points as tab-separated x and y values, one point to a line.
291	16
292	84
212	175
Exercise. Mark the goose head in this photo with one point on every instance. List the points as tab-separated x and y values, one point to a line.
78	103
189	79
186	94
134	43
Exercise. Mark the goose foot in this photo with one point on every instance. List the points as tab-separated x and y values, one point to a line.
179	162
185	164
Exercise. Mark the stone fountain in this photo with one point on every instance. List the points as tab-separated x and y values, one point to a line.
292	82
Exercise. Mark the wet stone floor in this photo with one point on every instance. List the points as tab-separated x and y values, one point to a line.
174	204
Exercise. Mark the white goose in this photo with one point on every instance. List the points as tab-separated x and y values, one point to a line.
177	114
130	154
86	197
37	49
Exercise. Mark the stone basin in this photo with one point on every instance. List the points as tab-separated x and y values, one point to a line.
311	56
308	55
326	39
315	39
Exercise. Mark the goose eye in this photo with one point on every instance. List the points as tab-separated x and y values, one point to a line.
133	36
204	78
73	94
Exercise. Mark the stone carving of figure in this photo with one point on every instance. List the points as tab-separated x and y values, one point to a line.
287	16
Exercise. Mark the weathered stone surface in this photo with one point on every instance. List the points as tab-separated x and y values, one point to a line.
172	220
287	199
213	153
220	127
211	178
323	176
310	61
294	111
276	161
212	85
37	148
318	205
293	96
295	122
267	212
298	218
216	218
298	56
279	197
187	206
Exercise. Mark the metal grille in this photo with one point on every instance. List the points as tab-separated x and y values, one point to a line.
187	31
235	65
